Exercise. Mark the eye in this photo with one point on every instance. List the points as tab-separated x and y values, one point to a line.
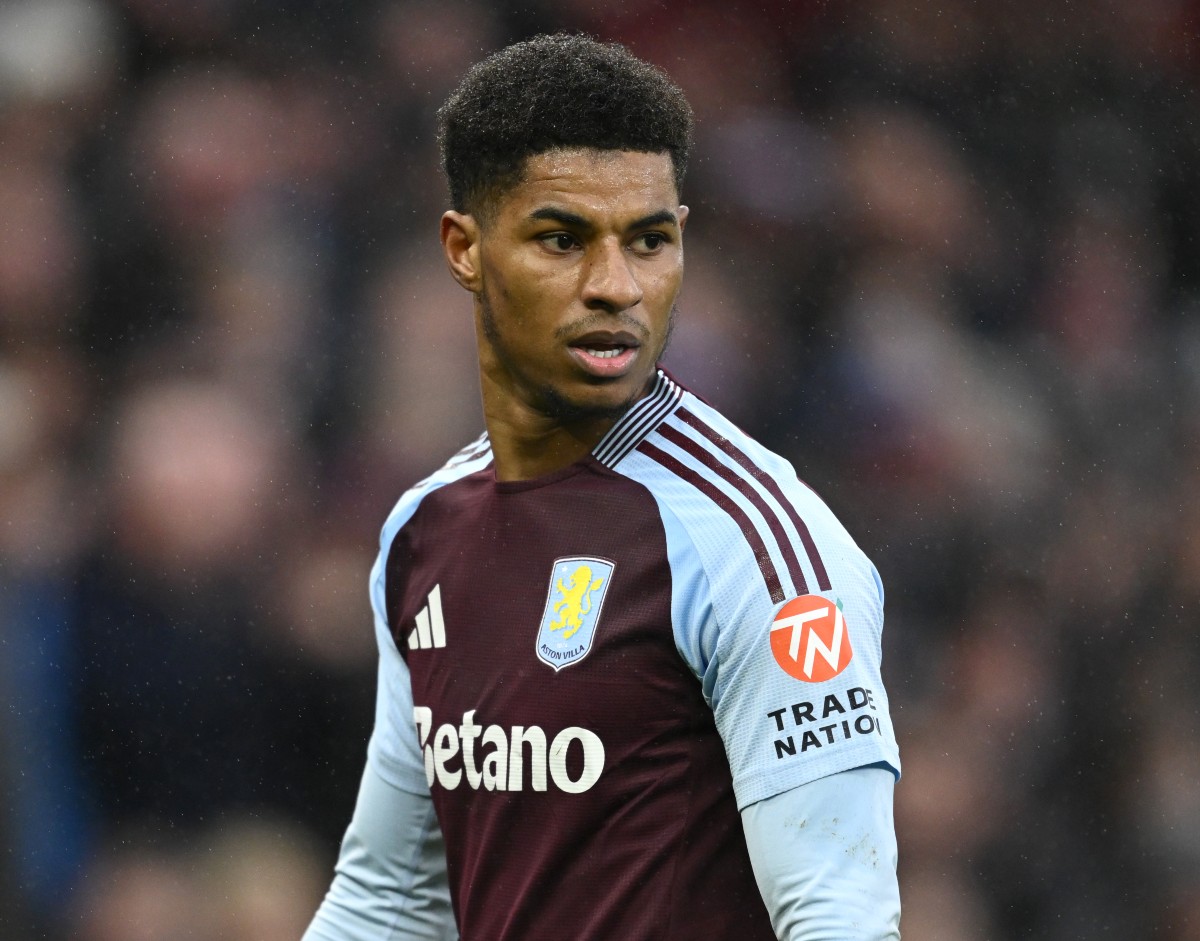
650	242
560	242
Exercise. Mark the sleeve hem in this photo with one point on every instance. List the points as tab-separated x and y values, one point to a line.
752	788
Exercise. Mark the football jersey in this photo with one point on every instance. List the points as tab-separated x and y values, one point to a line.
592	671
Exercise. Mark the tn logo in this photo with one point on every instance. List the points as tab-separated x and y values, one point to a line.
574	600
809	639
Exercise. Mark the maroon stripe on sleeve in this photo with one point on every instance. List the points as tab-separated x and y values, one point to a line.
710	490
772	487
743	486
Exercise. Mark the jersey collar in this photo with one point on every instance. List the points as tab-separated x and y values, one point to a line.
642	418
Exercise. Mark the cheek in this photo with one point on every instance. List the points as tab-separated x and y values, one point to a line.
499	295
664	287
531	293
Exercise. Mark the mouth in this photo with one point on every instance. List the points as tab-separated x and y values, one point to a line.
605	355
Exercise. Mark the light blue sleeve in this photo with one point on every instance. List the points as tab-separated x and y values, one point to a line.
824	856
391	882
779	731
776	610
393	749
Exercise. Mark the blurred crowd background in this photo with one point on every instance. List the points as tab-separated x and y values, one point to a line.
942	254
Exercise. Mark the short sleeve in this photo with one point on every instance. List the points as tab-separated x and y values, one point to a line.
797	691
774	608
394	750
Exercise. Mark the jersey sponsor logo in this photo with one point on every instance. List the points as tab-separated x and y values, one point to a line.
837	718
430	631
578	585
493	758
810	639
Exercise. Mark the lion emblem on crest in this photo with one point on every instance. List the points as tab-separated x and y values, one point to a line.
575	600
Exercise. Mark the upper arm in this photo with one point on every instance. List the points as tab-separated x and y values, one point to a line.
793	701
394	747
391	879
798	691
824	857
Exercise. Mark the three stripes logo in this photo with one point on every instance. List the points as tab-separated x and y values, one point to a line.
430	631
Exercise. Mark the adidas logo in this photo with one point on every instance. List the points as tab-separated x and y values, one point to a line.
430	631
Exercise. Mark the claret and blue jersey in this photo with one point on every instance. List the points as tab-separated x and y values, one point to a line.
592	672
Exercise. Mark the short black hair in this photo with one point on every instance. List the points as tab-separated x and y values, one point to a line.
554	92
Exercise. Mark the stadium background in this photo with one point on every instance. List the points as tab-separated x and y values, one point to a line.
942	254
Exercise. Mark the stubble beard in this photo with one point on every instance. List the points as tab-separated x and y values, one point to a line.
549	400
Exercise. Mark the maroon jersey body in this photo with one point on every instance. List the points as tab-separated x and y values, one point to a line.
590	800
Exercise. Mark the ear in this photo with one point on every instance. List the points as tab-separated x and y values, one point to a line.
681	214
460	243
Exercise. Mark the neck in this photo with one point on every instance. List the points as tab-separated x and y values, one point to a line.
528	444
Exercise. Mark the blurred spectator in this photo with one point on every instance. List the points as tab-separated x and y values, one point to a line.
166	602
135	893
249	879
260	881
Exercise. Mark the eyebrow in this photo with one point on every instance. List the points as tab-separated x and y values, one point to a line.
566	217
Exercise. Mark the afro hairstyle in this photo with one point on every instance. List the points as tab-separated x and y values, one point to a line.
555	92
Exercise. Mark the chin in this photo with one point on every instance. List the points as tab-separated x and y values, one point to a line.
604	402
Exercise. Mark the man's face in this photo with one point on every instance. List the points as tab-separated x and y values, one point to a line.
580	265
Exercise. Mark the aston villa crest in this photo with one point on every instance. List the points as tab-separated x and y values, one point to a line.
577	588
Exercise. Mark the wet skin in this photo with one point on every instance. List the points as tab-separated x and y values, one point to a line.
574	275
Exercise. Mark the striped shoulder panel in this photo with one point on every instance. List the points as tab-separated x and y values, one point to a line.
481	447
474	457
754	487
645	415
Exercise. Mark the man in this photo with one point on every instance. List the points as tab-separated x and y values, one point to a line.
629	665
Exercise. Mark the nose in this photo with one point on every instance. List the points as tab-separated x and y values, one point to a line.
610	282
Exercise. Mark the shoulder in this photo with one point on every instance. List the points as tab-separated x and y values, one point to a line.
474	457
741	505
776	609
